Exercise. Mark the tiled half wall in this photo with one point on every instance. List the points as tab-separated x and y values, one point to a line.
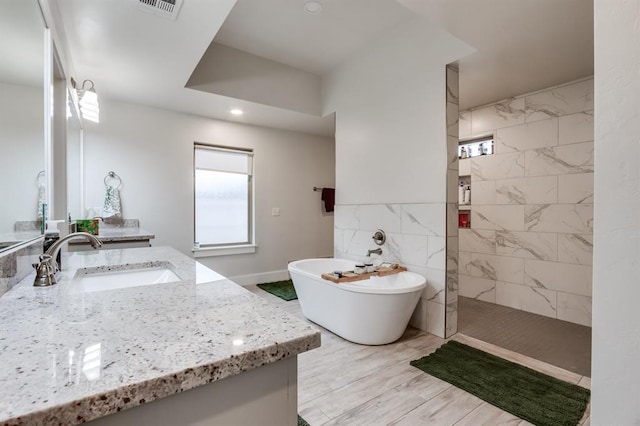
416	238
421	236
531	238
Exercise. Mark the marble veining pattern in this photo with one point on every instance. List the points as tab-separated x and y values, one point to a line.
575	248
574	308
484	192
452	119
530	245
424	219
452	153
569	218
498	166
464	124
528	136
536	300
509	112
576	128
564	159
380	216
538	190
559	101
477	241
478	288
415	238
436	282
71	356
565	277
452	85
510	217
497	268
449	254
575	188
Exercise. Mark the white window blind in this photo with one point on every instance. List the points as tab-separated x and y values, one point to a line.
223	196
223	160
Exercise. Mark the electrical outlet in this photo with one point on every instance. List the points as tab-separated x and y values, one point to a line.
275	211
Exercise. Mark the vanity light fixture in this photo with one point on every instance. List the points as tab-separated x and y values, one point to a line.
88	100
236	111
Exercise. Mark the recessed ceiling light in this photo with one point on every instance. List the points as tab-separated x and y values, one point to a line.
312	7
237	111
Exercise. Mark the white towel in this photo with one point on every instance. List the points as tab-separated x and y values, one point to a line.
112	206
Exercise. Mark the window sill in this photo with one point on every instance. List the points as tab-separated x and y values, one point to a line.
224	250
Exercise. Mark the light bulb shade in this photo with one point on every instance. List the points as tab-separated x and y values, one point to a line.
89	105
89	97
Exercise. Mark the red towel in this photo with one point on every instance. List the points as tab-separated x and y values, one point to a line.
329	198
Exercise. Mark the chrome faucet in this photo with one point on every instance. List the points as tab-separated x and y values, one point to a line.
47	268
377	251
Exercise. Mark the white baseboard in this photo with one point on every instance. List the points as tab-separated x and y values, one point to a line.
265	277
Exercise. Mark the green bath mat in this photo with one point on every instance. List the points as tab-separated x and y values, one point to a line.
283	289
535	397
302	422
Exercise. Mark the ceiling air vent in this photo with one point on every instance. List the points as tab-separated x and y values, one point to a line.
165	8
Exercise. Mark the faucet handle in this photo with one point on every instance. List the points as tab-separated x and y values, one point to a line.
379	237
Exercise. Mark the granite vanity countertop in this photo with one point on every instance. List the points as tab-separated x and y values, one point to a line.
69	356
114	234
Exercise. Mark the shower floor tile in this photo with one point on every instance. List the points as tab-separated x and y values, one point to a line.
560	343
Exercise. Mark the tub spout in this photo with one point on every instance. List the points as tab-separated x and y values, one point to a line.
377	251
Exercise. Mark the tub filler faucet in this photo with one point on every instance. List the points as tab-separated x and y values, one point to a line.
47	268
377	251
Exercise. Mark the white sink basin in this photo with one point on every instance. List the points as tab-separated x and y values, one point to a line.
124	276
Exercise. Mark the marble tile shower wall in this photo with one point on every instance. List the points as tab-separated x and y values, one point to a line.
531	238
416	237
451	295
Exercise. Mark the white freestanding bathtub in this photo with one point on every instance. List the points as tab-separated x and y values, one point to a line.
370	312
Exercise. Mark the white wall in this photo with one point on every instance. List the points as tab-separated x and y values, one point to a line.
152	151
391	116
391	153
616	268
21	153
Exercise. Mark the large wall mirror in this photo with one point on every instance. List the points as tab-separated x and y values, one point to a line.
22	145
75	202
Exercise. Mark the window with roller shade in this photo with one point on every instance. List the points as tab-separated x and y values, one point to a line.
223	196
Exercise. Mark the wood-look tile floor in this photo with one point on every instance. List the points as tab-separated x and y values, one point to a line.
343	383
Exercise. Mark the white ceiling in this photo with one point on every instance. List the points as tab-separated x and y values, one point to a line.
282	31
135	56
523	45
